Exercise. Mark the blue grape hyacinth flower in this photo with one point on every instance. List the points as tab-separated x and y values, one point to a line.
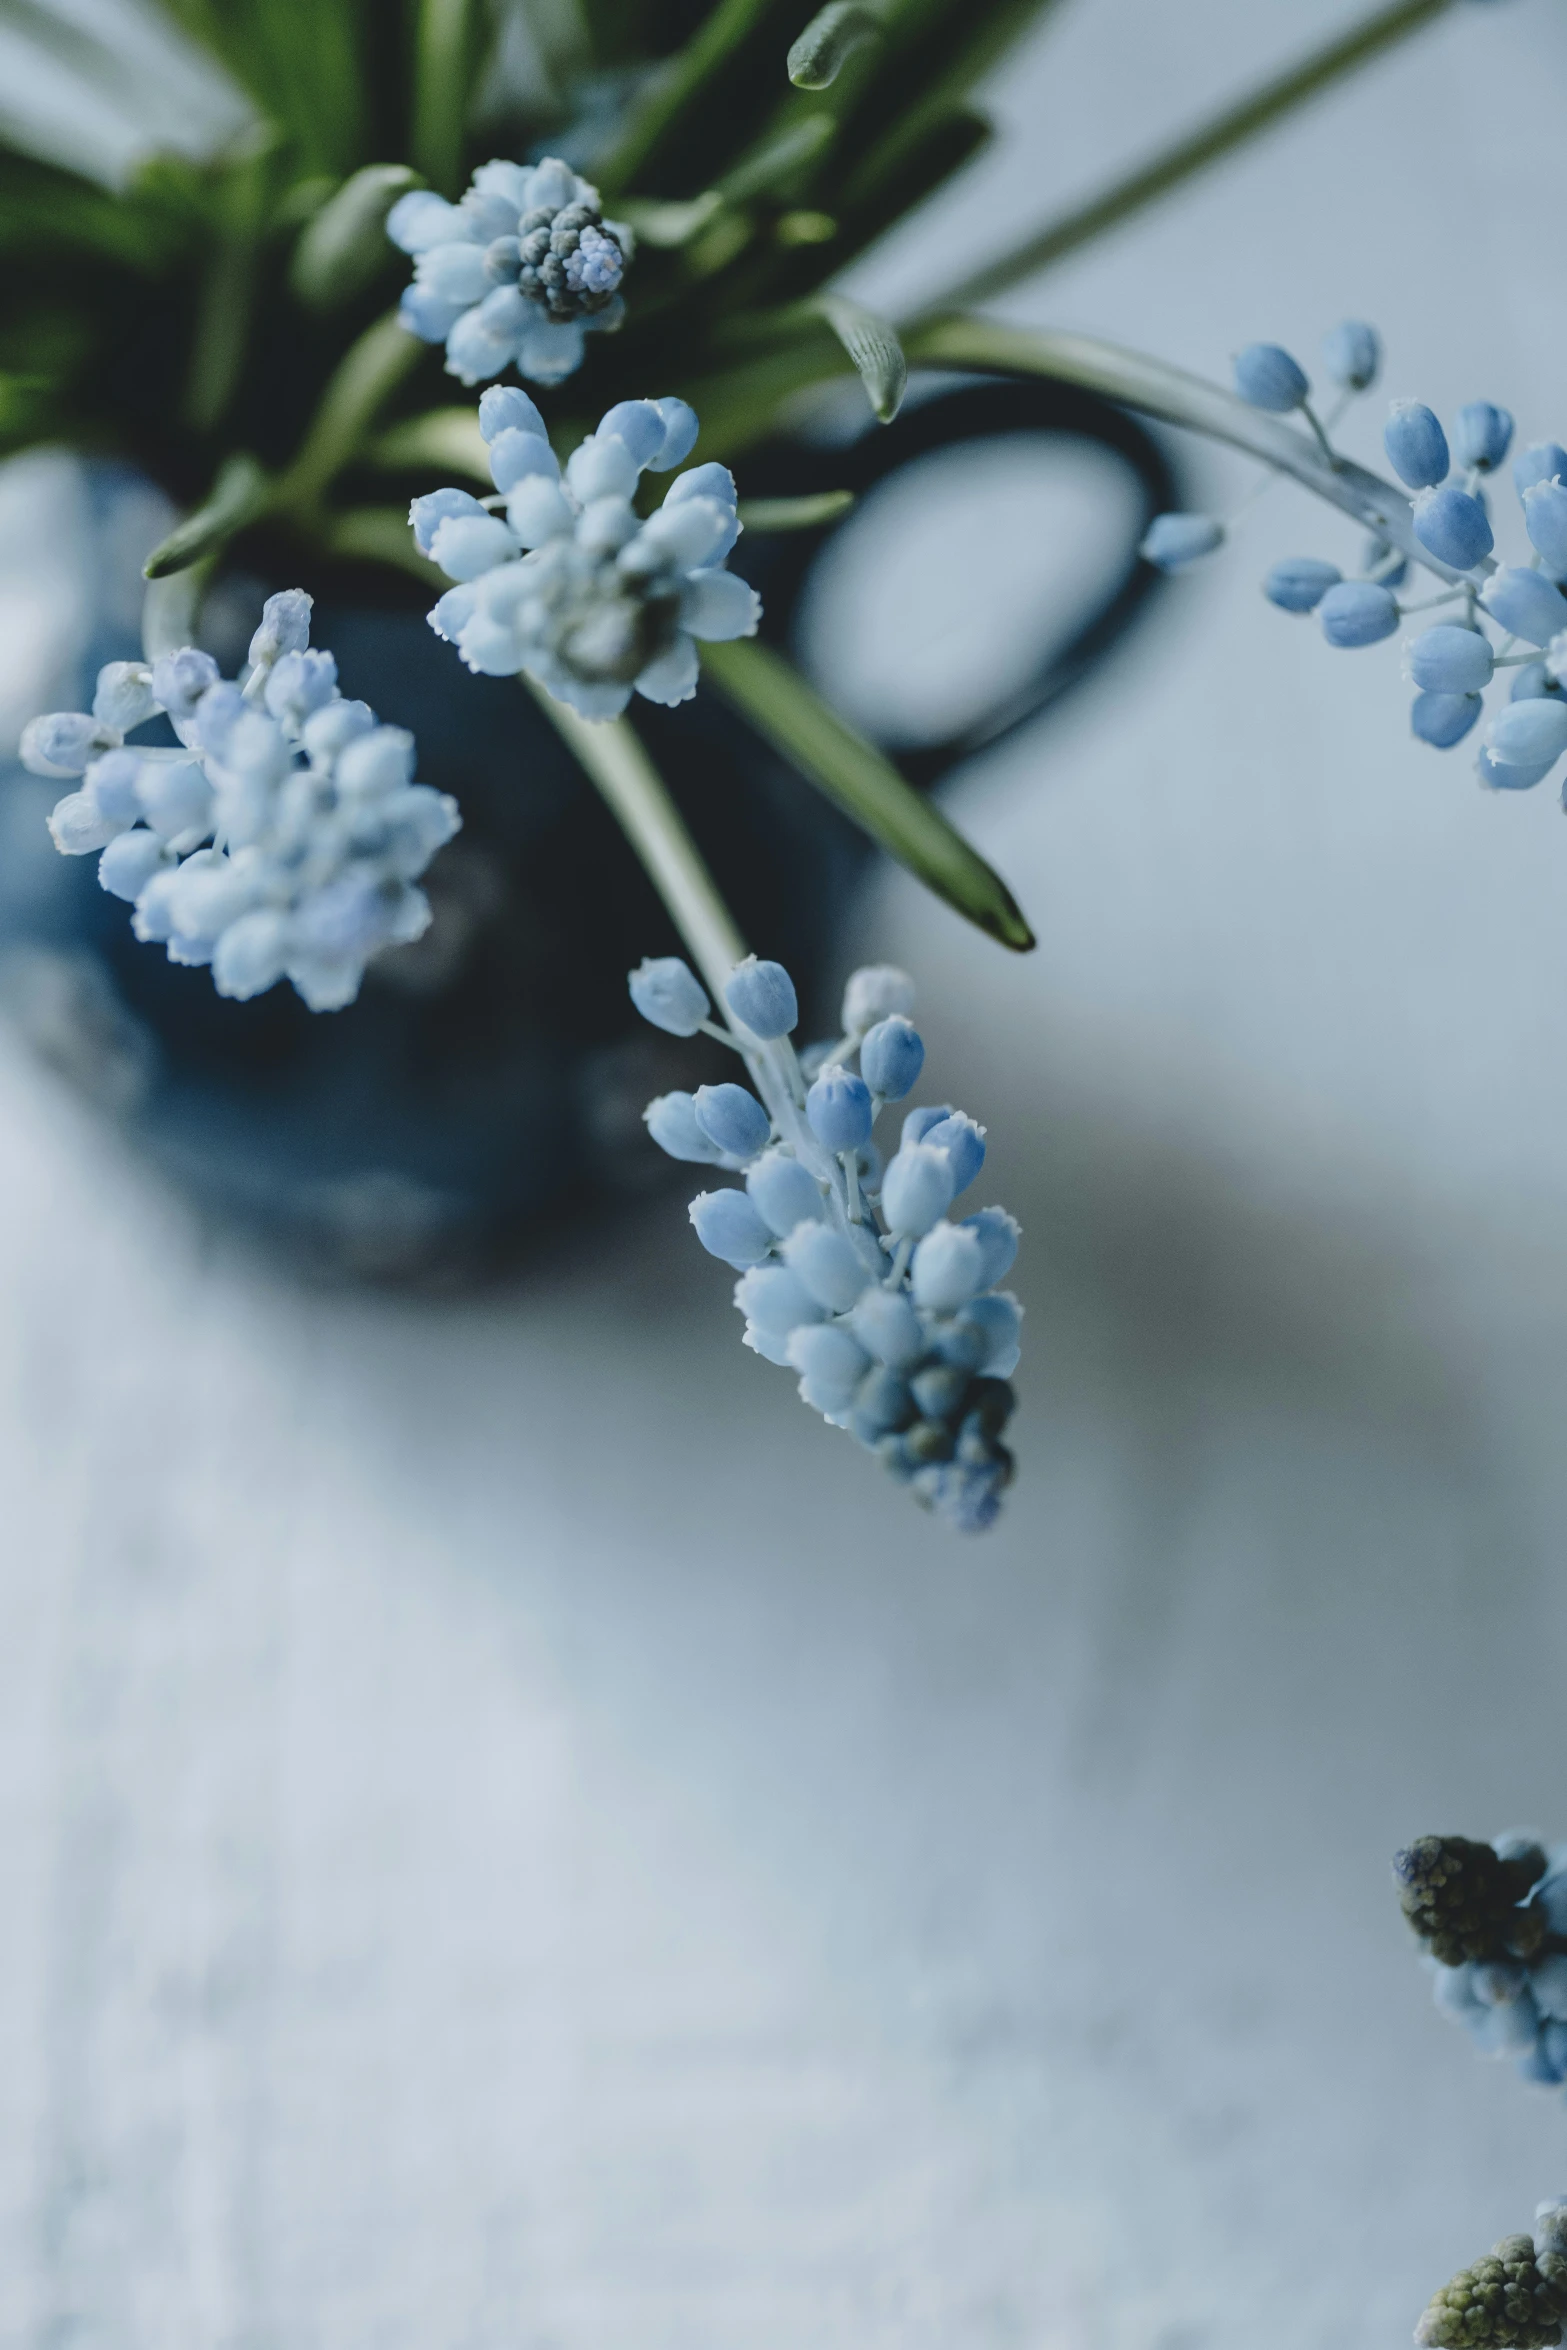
1493	1918
853	1273
515	274
566	582
283	839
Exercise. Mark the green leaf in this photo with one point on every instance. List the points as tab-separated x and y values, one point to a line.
345	245
778	158
828	41
767	514
874	347
239	494
687	94
664	225
446	59
380	534
855	776
448	439
305	61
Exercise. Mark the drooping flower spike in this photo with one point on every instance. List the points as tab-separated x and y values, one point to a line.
284	839
852	1273
567	582
515	274
1493	1918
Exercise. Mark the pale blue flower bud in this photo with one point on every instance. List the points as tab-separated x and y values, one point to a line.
78	826
180	679
830	1265
776	1300
426	514
887	1326
877	991
728	1226
1525	603
680	432
714	482
640	426
503	408
1357	613
1532	680
467	545
252	954
918	1123
998	1235
1482	433
1299	583
671	1121
175	796
517	456
1416	444
733	1118
917	1189
285	627
762	998
1453	526
376	763
839	1108
1504	775
1541	461
997	1318
1530	733
300	683
964	1144
891	1058
123	698
830	1364
948	1269
1268	377
1172	541
427	315
1449	660
1548	1982
667	992
129	863
62	743
1545	519
112	781
1453	1990
881	1401
1444	719
1352	355
786	1193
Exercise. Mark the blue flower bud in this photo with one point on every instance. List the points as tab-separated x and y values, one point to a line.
1416	445
1443	719
1541	461
672	1122
786	1193
875	992
998	1235
830	1363
881	1401
1525	603
1352	355
1545	519
1482	434
516	457
180	679
886	1325
1268	377
503	408
639	424
129	863
1506	775
830	1265
1527	733
733	1118
728	1226
1356	612
680	433
1300	582
948	1269
762	998
1532	680
285	627
998	1319
918	1123
61	743
964	1144
1548	1982
917	1189
776	1300
891	1058
123	695
1172	541
1449	660
1453	1990
1453	526
668	993
839	1108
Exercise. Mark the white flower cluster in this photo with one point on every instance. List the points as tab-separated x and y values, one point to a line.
852	1273
568	583
283	839
515	274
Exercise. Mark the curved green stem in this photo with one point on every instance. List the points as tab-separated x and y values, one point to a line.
365	379
1186	157
1178	398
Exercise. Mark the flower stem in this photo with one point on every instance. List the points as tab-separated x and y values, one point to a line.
444	47
365	378
631	785
1187	156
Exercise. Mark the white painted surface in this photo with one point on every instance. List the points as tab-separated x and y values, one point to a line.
516	1840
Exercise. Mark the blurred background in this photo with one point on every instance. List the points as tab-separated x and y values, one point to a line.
516	1838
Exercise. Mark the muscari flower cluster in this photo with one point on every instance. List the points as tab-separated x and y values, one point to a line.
1505	616
513	275
559	577
284	838
1494	1921
852	1272
1513	2299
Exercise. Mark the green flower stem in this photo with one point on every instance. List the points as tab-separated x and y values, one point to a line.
170	607
679	88
1178	398
443	64
1187	156
631	785
365	379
